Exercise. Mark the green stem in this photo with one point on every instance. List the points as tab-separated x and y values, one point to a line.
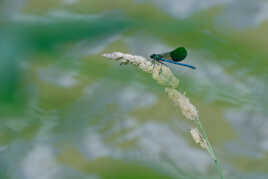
210	149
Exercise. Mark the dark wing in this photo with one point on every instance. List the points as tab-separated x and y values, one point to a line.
178	54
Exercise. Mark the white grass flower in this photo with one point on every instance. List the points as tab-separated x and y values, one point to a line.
125	58
161	73
188	109
198	138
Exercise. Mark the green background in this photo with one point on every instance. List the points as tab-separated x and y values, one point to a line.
67	112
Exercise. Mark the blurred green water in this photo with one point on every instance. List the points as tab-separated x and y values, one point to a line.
53	88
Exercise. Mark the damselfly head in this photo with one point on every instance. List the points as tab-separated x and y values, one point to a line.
154	56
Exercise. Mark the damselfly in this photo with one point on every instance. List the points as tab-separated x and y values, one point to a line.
174	57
